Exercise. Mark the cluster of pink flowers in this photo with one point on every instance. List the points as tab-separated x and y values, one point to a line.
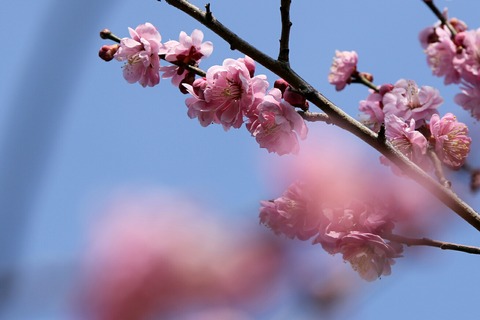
456	58
411	121
142	55
354	230
231	94
343	67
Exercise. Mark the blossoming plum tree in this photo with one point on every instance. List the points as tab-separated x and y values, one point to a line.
400	120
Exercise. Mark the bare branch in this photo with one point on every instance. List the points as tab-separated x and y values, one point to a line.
432	243
285	36
439	169
315	117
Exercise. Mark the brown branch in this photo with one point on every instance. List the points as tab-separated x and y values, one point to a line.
432	243
285	35
439	169
337	116
315	117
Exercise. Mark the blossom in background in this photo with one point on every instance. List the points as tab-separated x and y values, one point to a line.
343	67
160	256
293	214
468	60
141	55
441	56
469	98
275	124
369	254
406	139
189	50
407	101
452	143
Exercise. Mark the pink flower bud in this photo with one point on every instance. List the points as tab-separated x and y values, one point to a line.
107	52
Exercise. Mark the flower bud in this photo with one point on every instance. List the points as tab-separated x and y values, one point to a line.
107	52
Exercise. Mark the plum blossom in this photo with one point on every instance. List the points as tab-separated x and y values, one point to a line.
369	254
468	60
229	92
292	215
452	142
196	103
405	138
141	55
371	109
189	50
469	98
275	124
441	55
407	101
354	231
343	67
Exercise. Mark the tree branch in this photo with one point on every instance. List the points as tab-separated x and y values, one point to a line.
285	36
432	243
337	116
440	16
315	117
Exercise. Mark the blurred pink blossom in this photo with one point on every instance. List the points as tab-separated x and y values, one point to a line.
469	98
160	255
293	214
441	56
141	55
343	66
369	254
452	142
468	60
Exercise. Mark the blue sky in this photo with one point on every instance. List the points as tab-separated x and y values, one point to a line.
73	131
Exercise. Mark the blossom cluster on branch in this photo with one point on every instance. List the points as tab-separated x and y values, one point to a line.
403	116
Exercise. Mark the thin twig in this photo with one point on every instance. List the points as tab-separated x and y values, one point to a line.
440	16
358	78
432	243
336	115
439	169
285	36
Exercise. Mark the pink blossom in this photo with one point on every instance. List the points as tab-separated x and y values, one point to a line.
196	103
405	138
452	142
343	67
469	98
372	110
275	124
362	216
141	55
293	214
231	92
468	60
369	254
407	101
440	57
189	50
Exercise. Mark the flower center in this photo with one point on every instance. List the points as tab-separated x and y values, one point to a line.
413	101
